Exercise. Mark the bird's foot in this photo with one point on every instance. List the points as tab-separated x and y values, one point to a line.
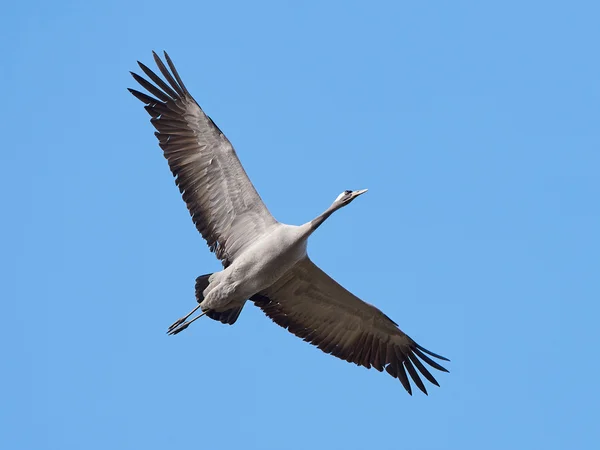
173	330
176	324
181	324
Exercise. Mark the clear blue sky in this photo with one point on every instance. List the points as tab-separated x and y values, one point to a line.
475	126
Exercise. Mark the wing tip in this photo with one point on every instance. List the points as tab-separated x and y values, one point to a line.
435	355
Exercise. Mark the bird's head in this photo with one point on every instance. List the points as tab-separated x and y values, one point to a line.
342	200
347	196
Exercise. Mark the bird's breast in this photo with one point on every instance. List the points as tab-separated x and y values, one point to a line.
268	259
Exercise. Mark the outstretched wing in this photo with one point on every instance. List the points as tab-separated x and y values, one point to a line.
222	201
314	307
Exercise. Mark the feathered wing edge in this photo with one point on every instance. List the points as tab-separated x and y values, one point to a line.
223	202
368	349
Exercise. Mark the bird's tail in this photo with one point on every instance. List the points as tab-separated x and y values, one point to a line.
228	316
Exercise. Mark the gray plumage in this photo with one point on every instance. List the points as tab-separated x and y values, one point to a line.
264	260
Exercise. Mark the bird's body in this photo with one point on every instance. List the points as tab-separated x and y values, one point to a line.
264	260
258	267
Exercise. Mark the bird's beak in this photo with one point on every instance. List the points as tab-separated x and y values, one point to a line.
357	193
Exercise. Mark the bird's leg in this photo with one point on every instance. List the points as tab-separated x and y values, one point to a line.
183	319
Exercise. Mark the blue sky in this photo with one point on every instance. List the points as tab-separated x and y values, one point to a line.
475	127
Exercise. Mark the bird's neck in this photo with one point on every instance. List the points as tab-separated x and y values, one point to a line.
318	221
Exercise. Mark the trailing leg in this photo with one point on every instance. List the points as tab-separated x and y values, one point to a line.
181	324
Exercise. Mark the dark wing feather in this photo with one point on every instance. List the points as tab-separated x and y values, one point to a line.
311	305
222	201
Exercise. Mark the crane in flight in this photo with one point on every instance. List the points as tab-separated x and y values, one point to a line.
265	261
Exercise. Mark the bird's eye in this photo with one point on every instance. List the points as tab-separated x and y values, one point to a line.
347	192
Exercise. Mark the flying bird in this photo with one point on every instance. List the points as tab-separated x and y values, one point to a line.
265	261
